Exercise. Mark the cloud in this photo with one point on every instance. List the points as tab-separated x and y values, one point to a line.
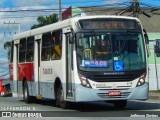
32	2
2	1
26	20
115	1
3	60
4	69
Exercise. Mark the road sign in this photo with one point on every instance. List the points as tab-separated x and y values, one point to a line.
118	66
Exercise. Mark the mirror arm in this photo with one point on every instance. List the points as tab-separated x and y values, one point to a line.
146	36
72	36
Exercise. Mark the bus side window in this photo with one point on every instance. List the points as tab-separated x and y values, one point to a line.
56	45
56	53
30	49
45	54
22	50
11	52
46	46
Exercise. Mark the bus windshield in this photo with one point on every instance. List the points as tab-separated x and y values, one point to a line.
110	51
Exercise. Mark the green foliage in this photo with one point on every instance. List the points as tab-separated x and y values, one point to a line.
42	21
7	45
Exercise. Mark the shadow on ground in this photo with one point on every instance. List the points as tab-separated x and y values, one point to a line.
101	106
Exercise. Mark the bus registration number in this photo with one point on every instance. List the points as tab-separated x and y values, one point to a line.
114	93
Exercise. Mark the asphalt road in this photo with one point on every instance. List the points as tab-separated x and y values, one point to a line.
86	111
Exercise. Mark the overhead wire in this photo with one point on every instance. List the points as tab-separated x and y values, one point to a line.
56	9
56	3
124	4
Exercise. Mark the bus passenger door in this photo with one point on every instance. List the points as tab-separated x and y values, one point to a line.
69	68
15	69
37	66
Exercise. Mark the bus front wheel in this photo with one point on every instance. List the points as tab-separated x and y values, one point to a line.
60	98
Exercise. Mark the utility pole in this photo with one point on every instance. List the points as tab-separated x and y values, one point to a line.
13	23
135	8
60	10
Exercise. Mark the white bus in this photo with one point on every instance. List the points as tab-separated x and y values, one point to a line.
89	58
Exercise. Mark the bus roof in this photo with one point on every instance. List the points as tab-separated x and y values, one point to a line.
63	24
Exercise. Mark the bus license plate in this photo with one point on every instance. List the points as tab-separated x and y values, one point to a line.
114	93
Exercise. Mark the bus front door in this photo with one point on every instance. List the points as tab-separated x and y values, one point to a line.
15	69
69	68
37	66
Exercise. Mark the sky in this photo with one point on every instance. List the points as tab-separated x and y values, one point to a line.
27	19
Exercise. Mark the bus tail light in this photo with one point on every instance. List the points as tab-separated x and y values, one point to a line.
141	80
84	81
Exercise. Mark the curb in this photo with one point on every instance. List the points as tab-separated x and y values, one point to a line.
7	95
154	97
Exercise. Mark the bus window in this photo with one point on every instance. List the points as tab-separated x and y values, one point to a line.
22	50
45	54
56	53
11	52
56	45
102	49
29	56
46	45
30	49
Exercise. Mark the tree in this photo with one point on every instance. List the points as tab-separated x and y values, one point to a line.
42	21
7	45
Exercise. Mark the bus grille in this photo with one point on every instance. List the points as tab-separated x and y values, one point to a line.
105	95
112	78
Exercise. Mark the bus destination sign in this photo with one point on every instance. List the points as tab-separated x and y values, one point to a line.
107	24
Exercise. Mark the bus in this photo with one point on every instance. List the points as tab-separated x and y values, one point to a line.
82	59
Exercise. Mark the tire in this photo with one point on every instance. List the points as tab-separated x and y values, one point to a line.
120	104
60	102
26	96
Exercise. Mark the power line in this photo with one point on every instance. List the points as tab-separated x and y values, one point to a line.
56	10
57	3
50	10
14	23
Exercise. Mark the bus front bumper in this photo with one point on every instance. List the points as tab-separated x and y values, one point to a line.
83	94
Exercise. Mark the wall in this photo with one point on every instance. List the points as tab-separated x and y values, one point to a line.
154	69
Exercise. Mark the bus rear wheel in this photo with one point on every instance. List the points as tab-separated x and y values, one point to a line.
26	96
60	98
120	104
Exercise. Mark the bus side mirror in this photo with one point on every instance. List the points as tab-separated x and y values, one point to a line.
71	36
146	38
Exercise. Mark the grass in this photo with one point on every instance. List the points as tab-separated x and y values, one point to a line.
155	91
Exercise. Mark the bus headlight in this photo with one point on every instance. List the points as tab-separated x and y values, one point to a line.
84	81
141	80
